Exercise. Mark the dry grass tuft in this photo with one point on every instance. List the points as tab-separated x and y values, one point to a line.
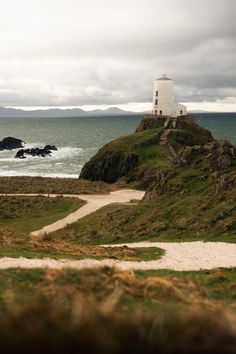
157	288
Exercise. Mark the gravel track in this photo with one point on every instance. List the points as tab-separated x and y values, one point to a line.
179	256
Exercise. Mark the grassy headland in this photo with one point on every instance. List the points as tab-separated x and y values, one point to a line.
190	180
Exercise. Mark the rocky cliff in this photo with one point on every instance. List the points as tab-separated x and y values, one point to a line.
157	150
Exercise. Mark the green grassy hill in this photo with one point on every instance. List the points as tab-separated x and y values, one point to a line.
138	158
190	180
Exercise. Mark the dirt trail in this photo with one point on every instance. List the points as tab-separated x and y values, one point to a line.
93	203
183	256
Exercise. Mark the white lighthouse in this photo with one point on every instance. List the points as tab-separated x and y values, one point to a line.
164	99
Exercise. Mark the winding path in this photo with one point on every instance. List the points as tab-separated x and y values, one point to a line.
179	256
183	256
93	203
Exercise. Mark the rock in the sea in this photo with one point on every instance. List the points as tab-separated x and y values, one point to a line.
46	151
50	147
11	143
20	154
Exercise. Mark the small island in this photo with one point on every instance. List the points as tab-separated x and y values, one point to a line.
36	152
11	143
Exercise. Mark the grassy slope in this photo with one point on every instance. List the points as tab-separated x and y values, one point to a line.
114	159
51	185
21	215
188	209
28	214
197	214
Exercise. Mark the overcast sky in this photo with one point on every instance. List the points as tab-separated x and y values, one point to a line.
108	52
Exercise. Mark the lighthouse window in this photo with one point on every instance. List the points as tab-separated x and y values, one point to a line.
181	112
160	113
156	102
156	93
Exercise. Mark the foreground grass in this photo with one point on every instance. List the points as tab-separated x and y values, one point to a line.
140	290
46	185
109	311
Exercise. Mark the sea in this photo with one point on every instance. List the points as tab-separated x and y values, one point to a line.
78	139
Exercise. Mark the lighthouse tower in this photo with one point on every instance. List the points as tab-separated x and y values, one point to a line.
164	99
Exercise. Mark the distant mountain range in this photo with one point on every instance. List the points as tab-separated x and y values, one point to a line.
57	112
69	112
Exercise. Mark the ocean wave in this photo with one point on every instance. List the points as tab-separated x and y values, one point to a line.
61	153
36	174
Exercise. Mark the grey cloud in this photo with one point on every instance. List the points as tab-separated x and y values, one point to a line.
108	52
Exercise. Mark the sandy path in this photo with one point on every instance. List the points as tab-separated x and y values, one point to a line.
179	256
93	203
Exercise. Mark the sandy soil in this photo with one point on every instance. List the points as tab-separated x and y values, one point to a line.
178	256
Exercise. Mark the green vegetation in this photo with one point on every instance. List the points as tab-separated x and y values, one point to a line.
13	244
149	253
172	312
137	159
45	185
27	214
196	215
21	215
144	290
190	181
136	156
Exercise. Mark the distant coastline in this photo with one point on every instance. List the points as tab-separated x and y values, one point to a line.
6	112
63	113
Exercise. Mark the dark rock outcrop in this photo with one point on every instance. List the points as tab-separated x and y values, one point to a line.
224	183
46	151
161	185
220	154
50	147
11	143
184	137
154	157
111	167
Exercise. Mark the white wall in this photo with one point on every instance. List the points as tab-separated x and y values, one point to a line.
165	103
